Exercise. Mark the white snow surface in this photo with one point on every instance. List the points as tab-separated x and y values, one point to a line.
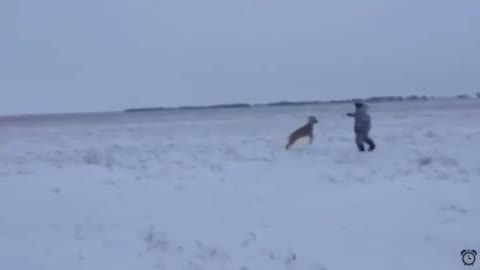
216	189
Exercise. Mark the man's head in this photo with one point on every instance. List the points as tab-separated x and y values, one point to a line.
358	105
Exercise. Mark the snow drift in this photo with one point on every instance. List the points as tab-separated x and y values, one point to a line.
217	190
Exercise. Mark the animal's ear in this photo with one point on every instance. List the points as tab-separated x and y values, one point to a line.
463	252
474	252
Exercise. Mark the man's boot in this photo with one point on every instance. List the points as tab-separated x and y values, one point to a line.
360	147
371	144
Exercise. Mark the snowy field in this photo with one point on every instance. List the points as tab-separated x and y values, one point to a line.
217	190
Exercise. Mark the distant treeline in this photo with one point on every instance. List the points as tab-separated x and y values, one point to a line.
374	99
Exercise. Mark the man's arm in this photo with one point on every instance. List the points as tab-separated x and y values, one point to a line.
351	114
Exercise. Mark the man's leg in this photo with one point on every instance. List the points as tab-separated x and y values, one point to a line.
371	144
359	142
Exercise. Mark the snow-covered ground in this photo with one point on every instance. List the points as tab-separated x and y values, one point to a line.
217	190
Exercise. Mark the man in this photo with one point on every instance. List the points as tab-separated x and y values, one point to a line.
362	127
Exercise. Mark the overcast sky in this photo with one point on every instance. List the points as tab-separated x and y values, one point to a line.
84	55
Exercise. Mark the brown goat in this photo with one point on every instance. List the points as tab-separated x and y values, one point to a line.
304	131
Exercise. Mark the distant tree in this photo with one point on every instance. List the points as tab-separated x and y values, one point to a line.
463	96
412	97
478	95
